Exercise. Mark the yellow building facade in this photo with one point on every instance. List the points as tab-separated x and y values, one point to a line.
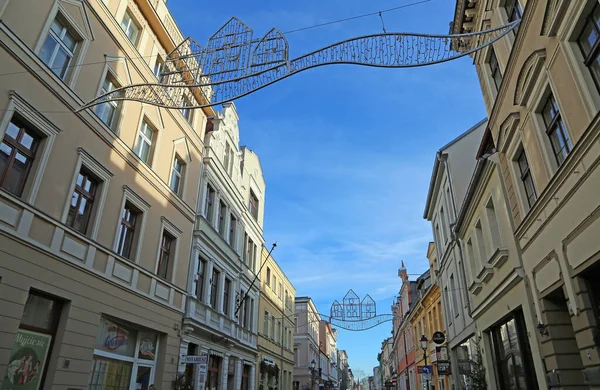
426	319
275	327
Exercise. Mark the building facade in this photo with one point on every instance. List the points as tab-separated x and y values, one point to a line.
450	178
276	330
343	369
221	318
96	206
501	302
403	337
306	344
540	86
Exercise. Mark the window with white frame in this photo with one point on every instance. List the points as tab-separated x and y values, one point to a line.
589	43
177	172
492	218
482	252
166	256
187	109
130	27
495	71
143	147
199	278
222	218
209	203
18	149
108	112
59	47
159	63
253	205
124	356
232	229
526	178
556	130
214	287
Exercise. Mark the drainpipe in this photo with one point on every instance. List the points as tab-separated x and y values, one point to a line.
443	158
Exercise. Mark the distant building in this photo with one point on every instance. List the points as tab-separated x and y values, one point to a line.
306	344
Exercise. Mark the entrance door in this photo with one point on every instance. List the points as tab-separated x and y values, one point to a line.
144	377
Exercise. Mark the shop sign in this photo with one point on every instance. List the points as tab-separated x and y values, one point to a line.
443	368
268	361
27	361
200	360
441	354
438	337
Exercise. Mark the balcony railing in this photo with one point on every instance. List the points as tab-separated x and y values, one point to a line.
200	313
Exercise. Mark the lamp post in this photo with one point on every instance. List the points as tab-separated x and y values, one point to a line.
423	340
312	374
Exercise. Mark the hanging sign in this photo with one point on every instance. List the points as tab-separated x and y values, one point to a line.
438	338
441	354
27	361
443	368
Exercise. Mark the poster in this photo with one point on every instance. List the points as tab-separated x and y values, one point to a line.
27	361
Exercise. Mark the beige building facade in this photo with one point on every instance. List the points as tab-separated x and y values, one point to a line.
96	207
306	344
276	327
540	86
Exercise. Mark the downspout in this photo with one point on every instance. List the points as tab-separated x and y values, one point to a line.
443	158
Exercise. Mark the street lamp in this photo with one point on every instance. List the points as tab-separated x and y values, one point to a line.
312	374
423	340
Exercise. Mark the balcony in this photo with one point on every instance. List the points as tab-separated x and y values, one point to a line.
206	316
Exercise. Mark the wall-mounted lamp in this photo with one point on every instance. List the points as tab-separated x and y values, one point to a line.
542	329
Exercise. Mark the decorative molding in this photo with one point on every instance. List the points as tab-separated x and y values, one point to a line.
554	15
528	77
475	287
507	130
486	273
84	15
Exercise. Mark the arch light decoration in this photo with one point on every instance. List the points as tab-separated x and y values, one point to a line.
233	65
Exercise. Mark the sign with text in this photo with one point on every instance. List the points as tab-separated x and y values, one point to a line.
27	361
443	368
200	359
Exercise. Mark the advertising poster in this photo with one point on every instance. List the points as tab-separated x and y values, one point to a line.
27	361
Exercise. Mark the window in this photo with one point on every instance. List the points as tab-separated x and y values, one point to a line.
143	148
59	48
495	69
222	212
228	161
512	356
274	285
199	282
108	112
526	178
555	128
245	378
130	27
589	43
123	365
493	222
129	220
36	331
278	332
280	290
17	152
187	110
272	327
253	206
82	201
226	294
444	224
266	323
177	175
214	372
232	229
513	10
158	66
214	284
167	248
209	202
248	316
454	299
480	242
268	276
472	260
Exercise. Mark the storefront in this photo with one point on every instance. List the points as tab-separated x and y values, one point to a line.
124	356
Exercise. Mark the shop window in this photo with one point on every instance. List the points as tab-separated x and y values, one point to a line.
512	357
245	377
33	342
124	357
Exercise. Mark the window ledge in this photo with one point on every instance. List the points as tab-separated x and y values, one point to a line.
486	273
475	287
498	258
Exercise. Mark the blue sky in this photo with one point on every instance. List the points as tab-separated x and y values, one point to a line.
347	151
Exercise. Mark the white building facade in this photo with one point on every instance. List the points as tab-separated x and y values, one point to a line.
222	308
306	343
453	166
